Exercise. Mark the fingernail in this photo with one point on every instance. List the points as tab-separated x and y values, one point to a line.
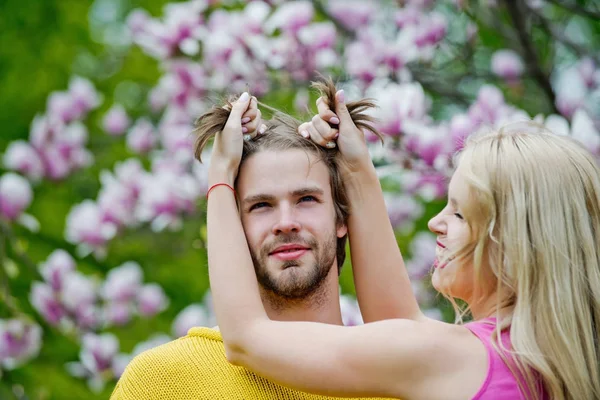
262	129
330	145
340	95
334	120
336	135
245	119
247	138
244	129
244	97
305	134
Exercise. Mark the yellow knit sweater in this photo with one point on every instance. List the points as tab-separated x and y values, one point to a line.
194	367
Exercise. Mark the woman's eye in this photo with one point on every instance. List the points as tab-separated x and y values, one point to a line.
259	205
458	215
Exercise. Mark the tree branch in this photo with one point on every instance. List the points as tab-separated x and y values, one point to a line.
531	57
577	49
577	9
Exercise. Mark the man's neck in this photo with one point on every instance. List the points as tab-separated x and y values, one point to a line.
323	305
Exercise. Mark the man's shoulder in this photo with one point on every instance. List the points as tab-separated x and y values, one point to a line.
196	345
179	363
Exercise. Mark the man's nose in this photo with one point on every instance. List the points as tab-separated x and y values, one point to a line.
287	221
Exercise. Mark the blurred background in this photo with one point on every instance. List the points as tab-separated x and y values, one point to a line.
102	211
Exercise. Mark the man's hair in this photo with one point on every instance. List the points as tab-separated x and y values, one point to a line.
282	134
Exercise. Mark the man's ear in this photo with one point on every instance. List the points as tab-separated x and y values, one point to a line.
342	230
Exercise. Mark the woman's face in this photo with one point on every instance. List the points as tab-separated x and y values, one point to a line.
453	233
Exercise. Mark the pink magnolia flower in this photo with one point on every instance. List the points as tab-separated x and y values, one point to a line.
58	264
422	255
589	72
96	358
116	121
352	14
78	291
403	210
291	17
151	300
86	228
351	315
117	313
191	316
20	341
432	29
61	107
15	195
84	96
46	303
142	136
571	91
20	156
461	127
399	105
584	130
507	64
123	282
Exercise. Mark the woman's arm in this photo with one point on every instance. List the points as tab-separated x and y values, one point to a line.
382	284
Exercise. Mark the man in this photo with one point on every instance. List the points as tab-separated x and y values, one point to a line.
294	211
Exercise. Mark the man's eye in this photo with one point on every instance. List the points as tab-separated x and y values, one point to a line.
258	205
308	198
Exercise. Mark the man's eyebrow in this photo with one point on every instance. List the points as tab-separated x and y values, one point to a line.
308	190
257	198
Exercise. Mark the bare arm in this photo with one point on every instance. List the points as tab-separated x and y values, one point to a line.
382	284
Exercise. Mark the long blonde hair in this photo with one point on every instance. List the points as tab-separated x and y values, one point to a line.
535	216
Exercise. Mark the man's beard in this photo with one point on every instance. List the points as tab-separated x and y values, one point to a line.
300	283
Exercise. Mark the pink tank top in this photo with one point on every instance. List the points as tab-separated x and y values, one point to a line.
499	383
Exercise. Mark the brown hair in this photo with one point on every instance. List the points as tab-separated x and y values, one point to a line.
282	134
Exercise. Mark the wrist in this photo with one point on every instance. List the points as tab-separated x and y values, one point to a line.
218	174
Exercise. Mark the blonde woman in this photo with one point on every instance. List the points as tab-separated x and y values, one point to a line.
518	242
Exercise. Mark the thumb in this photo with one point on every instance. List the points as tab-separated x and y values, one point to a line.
238	108
340	108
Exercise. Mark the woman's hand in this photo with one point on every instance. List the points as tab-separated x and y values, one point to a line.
252	122
229	143
330	129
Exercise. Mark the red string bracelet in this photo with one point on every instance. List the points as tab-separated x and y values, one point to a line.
219	184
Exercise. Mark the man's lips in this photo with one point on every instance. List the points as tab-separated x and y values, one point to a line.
289	252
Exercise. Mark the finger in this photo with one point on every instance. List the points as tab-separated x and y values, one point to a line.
249	115
324	129
316	137
251	127
326	113
238	108
303	130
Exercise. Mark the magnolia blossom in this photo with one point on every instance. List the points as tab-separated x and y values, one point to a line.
571	91
141	138
20	341
507	64
116	121
45	301
86	228
191	316
20	156
15	195
123	282
96	358
351	315
422	255
78	291
151	300
403	210
353	14
58	264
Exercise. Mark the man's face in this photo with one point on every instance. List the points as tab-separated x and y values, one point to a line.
289	219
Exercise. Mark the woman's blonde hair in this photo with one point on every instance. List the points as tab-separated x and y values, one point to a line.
534	214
